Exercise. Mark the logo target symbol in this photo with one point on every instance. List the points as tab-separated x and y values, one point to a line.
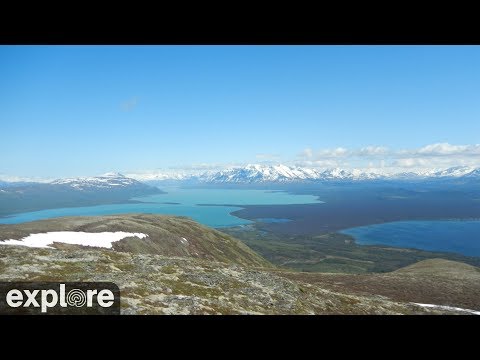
76	297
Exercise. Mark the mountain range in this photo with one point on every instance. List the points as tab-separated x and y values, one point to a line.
105	181
255	173
106	189
249	174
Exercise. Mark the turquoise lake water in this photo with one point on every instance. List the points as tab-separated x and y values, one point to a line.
459	236
189	204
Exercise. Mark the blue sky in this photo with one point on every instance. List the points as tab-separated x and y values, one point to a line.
85	110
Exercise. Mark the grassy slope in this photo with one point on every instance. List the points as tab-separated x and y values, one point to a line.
217	274
154	284
333	252
165	235
434	281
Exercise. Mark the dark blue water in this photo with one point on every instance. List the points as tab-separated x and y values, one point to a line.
273	220
459	236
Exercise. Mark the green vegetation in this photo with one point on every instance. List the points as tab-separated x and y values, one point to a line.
333	252
154	284
433	281
167	235
186	268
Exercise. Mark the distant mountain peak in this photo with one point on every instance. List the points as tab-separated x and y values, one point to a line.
108	180
113	174
262	173
455	171
256	173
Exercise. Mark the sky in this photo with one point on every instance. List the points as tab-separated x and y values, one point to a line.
86	110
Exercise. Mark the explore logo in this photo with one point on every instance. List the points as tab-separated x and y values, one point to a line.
76	298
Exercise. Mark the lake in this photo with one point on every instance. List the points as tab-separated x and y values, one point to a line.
459	236
211	207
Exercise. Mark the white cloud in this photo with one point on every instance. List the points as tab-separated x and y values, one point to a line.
10	178
443	149
437	156
337	152
409	162
437	162
375	158
429	157
323	154
204	166
373	150
306	153
328	163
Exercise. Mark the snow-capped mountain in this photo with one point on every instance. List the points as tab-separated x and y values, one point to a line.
342	174
456	171
105	181
255	173
250	174
473	174
259	173
86	191
285	174
282	173
160	176
408	175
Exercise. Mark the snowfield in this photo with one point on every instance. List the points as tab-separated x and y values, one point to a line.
105	181
281	173
43	240
256	173
443	307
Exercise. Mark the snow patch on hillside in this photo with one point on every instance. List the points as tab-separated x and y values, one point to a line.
450	308
43	240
